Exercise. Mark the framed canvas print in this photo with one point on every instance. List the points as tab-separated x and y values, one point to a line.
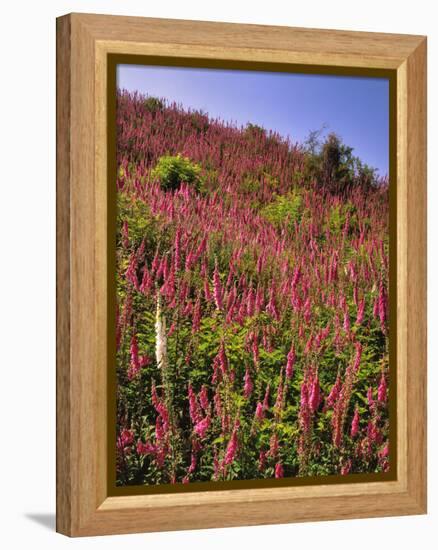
241	276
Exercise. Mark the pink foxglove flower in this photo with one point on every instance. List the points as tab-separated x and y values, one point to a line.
232	445
308	346
355	423
171	329
125	439
255	351
248	385
195	413
190	260
372	431
307	310
304	412
217	403
125	234
382	389
376	307
145	448
290	362
177	250
382	306
358	356
203	398
279	471
207	291
155	262
337	427
315	395
384	452
296	277
346	324
346	468
259	304
201	248
146	282
279	400
334	393
163	412
250	302
273	445
222	357
193	463
262	461
202	426
271	307
131	272
360	312
231	299
259	414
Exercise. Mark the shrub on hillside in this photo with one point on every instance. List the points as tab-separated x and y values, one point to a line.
153	104
171	171
338	216
284	209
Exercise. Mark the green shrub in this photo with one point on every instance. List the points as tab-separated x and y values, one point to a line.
199	121
338	217
270	181
171	171
249	185
254	130
285	208
142	224
153	104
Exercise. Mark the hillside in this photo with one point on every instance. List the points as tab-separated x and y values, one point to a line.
252	324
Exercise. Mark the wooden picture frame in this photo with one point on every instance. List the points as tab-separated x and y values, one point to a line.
84	42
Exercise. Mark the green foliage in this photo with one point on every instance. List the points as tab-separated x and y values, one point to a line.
250	185
171	171
254	130
332	154
141	223
270	181
338	216
153	104
333	166
199	121
284	209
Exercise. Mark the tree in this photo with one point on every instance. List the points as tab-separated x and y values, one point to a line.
333	166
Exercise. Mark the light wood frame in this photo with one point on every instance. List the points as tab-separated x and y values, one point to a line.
83	43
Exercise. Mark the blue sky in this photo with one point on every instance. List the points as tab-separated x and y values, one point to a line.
356	108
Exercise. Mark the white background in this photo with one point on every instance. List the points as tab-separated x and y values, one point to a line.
27	271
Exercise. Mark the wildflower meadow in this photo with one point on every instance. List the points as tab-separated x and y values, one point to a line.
252	302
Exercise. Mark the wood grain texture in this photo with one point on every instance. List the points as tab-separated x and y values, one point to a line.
63	403
416	274
83	43
319	44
